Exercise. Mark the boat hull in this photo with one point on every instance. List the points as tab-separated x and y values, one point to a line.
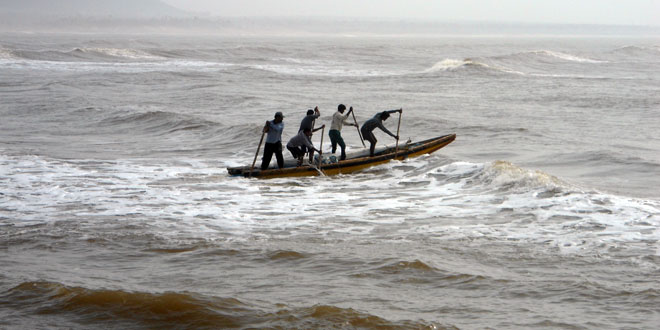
349	165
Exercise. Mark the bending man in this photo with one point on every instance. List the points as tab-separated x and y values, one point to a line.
297	142
371	124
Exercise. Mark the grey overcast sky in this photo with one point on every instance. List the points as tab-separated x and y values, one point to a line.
617	12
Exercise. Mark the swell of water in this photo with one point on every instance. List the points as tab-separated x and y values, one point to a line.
80	306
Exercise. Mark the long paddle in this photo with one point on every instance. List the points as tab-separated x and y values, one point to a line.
314	121
257	153
396	150
318	165
316	109
358	128
321	151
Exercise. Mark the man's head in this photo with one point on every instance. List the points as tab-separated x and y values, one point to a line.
384	115
341	108
310	112
279	117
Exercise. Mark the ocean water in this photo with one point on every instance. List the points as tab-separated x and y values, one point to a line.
116	210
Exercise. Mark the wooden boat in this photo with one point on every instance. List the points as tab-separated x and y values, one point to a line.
353	163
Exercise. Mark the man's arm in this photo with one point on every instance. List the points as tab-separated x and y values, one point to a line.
382	127
309	144
346	122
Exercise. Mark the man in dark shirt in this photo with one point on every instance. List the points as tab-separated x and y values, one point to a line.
371	124
308	122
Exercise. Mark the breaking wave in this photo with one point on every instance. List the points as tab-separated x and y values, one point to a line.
462	200
565	215
121	53
452	65
565	56
78	54
120	60
540	56
299	69
6	54
523	63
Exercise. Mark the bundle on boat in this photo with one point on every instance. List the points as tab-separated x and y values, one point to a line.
353	162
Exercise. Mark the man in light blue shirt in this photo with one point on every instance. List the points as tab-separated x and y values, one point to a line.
274	129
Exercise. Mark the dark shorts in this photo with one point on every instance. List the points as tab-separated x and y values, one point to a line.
368	135
296	152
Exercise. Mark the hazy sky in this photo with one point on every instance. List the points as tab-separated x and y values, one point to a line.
627	12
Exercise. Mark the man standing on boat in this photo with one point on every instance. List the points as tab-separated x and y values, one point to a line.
296	143
338	120
371	124
308	122
274	129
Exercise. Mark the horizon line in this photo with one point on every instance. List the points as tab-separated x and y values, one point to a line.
353	19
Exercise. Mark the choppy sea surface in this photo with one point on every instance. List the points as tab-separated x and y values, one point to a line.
116	210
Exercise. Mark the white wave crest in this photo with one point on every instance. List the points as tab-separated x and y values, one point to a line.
503	173
6	54
133	54
323	70
567	57
562	214
448	64
452	64
125	67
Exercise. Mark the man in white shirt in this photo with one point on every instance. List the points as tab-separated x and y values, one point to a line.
338	120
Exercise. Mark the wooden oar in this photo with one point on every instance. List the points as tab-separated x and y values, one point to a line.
314	121
313	124
257	153
321	151
318	166
358	128
396	150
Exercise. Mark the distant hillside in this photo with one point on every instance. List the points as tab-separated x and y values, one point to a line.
92	8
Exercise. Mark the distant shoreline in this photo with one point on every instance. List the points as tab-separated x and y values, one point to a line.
307	27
